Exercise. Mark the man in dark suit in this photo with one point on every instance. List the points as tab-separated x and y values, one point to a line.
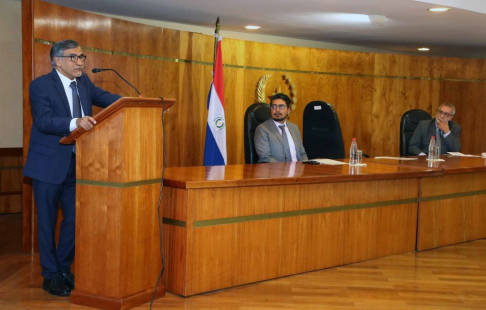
61	101
277	140
446	132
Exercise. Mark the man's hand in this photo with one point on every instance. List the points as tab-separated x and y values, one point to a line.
444	126
86	122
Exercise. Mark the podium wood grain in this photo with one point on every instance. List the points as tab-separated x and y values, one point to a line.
118	176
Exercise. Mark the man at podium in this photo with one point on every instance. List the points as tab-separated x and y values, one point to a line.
61	101
278	140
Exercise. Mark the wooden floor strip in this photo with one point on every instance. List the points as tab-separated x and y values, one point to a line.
452	277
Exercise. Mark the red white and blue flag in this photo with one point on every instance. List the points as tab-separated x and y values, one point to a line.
215	146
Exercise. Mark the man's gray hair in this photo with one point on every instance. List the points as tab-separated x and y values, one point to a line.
58	49
449	105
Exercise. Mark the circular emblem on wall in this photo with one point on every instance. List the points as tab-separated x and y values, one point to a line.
260	93
219	123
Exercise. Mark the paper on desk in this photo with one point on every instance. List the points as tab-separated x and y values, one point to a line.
462	155
459	154
325	161
398	158
436	159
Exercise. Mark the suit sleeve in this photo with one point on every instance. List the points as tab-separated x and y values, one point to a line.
262	145
42	112
414	145
453	141
301	150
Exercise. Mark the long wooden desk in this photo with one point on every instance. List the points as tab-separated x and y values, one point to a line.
227	226
452	207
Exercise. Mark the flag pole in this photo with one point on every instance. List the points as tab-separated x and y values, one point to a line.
216	39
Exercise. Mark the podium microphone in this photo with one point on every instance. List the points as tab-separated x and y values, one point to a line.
96	70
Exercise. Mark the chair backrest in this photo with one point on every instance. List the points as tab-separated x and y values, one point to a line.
256	114
408	123
322	131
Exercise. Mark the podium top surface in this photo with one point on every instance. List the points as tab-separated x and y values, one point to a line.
121	103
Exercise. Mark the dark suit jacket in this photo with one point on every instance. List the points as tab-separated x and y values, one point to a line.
47	159
426	129
269	143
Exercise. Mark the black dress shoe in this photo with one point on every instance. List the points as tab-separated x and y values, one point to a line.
56	286
68	278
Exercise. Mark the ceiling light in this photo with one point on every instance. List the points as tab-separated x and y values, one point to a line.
423	49
377	19
439	9
252	27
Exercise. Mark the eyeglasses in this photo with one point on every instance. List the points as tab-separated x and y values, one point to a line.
74	58
279	106
440	112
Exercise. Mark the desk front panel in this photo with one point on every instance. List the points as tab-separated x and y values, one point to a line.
452	209
452	206
236	235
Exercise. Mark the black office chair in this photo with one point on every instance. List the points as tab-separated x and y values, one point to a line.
256	114
322	131
408	123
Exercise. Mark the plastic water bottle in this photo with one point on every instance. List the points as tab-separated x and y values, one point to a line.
352	152
431	149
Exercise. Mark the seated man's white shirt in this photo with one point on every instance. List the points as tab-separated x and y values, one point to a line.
293	152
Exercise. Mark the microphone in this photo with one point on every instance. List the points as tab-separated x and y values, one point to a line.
96	70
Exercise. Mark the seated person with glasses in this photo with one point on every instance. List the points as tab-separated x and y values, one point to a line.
277	140
446	132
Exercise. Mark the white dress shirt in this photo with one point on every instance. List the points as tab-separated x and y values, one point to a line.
69	94
293	152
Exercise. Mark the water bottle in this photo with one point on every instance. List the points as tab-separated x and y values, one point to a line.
431	149
352	152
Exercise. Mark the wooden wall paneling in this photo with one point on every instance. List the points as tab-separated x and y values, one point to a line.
392	65
234	114
195	81
464	68
55	23
10	184
27	76
352	99
263	55
347	62
469	100
136	38
392	98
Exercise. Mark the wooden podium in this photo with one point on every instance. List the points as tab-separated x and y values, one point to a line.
118	171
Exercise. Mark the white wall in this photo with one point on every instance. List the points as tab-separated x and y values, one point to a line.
10	74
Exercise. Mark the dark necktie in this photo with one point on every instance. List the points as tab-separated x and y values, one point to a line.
76	103
438	138
288	157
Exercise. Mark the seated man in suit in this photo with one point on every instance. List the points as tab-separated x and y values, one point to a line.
61	101
446	132
277	140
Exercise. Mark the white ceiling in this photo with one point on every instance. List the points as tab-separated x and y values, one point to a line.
460	32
